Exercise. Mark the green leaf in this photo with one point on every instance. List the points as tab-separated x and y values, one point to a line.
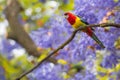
67	7
13	68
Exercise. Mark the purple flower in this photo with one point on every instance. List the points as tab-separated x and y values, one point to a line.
48	72
2	73
43	1
110	61
84	76
66	1
7	47
57	30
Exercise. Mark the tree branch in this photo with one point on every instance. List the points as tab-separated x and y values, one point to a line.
67	42
17	31
12	10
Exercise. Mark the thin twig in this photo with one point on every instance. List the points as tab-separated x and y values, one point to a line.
65	43
62	46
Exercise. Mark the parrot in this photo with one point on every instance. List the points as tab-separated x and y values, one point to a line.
77	21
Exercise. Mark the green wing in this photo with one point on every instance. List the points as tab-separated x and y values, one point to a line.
84	21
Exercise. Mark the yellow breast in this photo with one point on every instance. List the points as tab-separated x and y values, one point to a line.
78	23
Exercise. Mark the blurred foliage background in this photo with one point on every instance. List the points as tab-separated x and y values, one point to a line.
13	58
36	15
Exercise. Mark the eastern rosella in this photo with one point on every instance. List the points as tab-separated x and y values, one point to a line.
76	22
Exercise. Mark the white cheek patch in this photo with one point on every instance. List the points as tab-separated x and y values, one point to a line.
66	16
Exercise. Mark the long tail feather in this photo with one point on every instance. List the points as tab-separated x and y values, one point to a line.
92	35
97	40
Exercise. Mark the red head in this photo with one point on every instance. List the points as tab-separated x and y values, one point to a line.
70	17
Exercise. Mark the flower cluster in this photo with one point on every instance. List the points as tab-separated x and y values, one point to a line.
82	48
